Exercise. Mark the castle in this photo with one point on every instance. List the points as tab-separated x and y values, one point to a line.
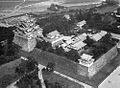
26	33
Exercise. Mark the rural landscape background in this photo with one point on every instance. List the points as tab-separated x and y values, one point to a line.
10	4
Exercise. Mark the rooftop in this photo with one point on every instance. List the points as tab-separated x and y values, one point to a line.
103	33
81	23
27	28
78	45
82	37
53	34
96	37
86	60
86	56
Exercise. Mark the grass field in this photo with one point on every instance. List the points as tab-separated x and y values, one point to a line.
10	4
79	1
7	73
11	7
65	83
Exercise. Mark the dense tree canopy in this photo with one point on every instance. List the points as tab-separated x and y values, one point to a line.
112	2
26	66
73	55
6	33
8	50
59	23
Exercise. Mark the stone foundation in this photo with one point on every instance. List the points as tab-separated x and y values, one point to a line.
98	64
26	44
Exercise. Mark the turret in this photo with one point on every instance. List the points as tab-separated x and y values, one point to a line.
26	33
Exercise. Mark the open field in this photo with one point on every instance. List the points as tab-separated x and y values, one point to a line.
10	4
12	7
7	73
70	3
64	82
80	1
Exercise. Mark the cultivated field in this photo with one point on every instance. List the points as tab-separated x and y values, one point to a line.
70	3
11	7
80	1
10	4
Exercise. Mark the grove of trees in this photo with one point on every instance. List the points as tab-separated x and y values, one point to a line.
8	50
58	23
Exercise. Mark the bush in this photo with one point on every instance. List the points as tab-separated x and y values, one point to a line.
50	67
112	2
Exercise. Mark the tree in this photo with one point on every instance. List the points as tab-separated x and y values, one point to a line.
79	15
73	55
31	64
55	7
89	41
26	66
94	20
6	35
108	19
50	67
20	70
118	11
60	24
24	82
112	2
44	45
60	51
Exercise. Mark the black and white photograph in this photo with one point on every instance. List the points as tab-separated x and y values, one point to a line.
59	43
